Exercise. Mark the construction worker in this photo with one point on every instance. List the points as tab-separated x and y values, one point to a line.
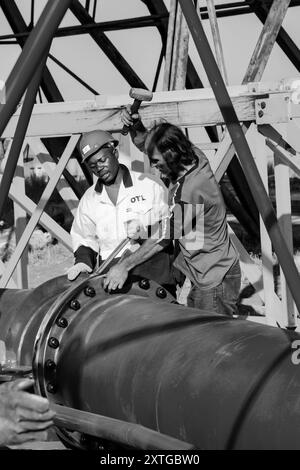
121	203
23	416
205	253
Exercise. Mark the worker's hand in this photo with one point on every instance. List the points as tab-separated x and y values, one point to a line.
116	277
127	118
23	416
78	268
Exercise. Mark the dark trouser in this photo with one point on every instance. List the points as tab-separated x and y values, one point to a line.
221	298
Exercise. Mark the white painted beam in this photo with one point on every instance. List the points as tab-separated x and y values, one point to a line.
181	107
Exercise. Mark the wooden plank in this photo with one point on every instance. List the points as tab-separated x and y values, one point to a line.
274	309
131	156
20	224
46	221
222	157
258	64
169	46
182	113
182	107
218	48
216	38
177	49
283	207
285	157
266	40
39	210
66	192
207	145
11	283
253	273
271	133
226	151
284	41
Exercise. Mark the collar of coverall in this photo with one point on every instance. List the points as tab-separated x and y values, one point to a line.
127	181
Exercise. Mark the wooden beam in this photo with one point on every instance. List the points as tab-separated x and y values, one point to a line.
170	46
177	49
271	133
67	194
273	306
20	224
217	38
257	66
222	157
284	210
285	157
266	40
283	39
207	145
11	283
266	245
38	211
182	107
157	7
46	221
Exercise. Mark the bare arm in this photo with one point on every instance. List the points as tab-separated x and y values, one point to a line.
118	274
137	130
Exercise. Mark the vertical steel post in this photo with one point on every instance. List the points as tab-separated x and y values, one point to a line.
31	56
20	132
18	26
239	140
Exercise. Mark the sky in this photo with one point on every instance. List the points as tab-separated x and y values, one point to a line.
141	48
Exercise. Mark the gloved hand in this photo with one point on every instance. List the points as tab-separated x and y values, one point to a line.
78	268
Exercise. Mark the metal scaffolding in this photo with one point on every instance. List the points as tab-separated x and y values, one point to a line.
249	200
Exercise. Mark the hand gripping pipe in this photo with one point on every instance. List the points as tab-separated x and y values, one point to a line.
139	363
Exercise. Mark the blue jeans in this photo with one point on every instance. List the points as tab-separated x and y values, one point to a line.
221	298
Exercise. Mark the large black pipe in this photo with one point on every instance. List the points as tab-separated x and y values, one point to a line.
209	380
256	185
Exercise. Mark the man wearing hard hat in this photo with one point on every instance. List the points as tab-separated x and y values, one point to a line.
121	203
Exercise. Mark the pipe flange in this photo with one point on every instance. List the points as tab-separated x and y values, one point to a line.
62	313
